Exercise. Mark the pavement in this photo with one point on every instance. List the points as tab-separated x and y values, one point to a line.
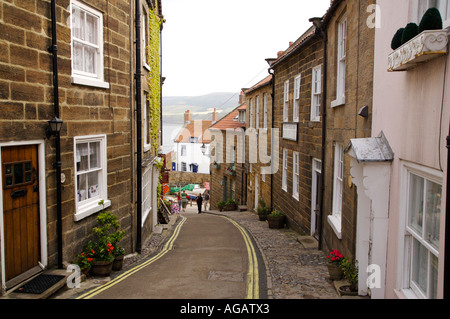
292	265
296	269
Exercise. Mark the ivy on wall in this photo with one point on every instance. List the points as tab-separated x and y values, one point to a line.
154	79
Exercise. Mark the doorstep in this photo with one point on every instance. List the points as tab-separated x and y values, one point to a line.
12	294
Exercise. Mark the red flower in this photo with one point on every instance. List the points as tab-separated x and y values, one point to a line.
89	259
92	251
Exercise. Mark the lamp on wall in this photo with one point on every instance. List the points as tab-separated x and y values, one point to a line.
203	148
54	126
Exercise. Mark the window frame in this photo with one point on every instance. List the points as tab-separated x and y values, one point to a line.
443	5
89	207
335	219
251	113
407	234
341	62
285	167
265	117
315	107
296	175
296	108
286	102
80	77
257	112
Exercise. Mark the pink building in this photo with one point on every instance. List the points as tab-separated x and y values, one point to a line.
401	172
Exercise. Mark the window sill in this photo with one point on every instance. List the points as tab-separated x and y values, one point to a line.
90	209
338	102
295	196
335	224
426	46
89	82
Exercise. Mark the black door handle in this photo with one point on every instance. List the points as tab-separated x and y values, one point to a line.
19	193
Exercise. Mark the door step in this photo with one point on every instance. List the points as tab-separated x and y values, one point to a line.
41	286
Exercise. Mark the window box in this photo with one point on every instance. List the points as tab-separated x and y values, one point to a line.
230	171
426	46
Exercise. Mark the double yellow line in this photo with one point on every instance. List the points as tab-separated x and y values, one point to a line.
253	272
167	247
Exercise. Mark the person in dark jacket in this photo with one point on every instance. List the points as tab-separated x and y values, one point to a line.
199	203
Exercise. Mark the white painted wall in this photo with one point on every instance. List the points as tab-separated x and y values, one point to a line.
412	108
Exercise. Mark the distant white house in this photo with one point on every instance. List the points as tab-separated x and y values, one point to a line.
192	145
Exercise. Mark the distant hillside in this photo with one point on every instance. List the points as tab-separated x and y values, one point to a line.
201	107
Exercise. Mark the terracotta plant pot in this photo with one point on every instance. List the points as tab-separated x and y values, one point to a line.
334	271
101	268
117	263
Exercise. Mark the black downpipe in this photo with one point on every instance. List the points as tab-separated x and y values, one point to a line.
324	132
272	72
57	164
138	76
447	229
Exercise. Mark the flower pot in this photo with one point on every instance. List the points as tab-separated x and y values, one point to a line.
262	217
334	271
347	290
276	222
117	263
101	268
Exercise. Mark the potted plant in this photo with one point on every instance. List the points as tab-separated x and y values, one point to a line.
262	210
221	205
119	254
230	205
107	235
350	270
276	219
84	262
334	261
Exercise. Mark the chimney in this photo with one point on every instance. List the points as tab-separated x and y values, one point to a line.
187	117
290	43
280	53
241	98
214	116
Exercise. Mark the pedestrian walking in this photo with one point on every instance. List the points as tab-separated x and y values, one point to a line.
199	203
184	200
206	198
179	201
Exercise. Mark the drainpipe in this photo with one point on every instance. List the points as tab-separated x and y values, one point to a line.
272	72
324	35
447	229
57	164
137	77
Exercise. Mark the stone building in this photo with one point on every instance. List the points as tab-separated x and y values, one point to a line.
227	157
348	115
77	66
258	140
298	116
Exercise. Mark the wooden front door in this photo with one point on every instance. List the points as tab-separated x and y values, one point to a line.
20	209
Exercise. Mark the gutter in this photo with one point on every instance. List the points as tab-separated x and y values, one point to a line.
138	79
57	164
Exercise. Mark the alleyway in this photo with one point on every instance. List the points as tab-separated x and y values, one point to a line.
209	259
294	272
206	257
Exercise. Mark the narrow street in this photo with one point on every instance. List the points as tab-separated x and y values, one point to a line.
206	257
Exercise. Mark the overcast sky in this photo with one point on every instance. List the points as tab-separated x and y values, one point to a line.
221	46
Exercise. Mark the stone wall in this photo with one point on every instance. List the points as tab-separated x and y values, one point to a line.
309	134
